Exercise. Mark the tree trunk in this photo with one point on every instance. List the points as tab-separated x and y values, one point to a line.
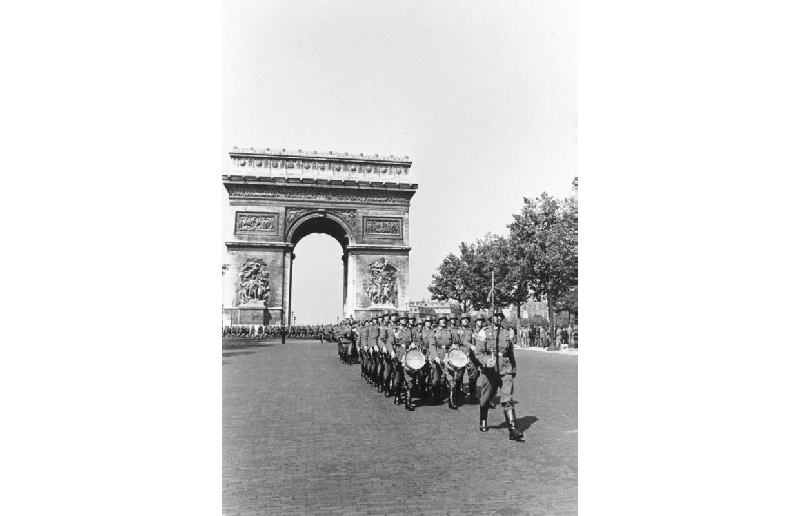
519	323
569	327
552	324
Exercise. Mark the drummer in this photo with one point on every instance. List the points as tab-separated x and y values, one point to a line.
454	367
425	341
442	340
404	377
465	337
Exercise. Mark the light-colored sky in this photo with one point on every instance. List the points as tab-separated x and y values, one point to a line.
482	99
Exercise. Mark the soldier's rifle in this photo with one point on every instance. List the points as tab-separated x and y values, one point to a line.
497	334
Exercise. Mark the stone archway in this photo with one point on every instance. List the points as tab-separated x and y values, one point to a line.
277	198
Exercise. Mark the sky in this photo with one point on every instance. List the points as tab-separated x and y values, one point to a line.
482	100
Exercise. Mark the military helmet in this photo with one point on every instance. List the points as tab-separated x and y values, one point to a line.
402	315
465	316
428	318
480	317
498	312
393	314
442	316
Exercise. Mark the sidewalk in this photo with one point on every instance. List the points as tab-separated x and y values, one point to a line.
573	352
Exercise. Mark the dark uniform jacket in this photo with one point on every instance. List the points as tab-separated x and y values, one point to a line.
426	340
464	338
372	335
383	335
484	349
443	338
402	341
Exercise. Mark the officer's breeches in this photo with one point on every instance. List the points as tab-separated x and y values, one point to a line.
473	373
491	382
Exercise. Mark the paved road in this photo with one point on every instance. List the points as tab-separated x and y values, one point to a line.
304	434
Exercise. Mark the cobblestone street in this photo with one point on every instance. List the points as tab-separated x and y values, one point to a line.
304	434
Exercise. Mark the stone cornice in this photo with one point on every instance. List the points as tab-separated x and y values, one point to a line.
319	156
311	166
273	245
254	189
377	247
231	179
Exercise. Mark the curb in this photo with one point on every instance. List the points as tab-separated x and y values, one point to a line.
570	352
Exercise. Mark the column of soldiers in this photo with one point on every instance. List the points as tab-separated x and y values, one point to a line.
312	332
384	344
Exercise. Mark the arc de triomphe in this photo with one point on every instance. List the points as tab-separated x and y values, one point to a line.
276	197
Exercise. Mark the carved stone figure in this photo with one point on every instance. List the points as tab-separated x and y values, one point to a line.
383	227
253	281
383	282
256	223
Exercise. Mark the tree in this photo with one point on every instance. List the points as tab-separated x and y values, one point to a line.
544	238
454	280
569	303
495	253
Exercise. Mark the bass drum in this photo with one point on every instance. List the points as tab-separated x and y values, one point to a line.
415	360
457	359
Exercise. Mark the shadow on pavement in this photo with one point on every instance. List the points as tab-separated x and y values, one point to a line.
523	423
227	354
244	344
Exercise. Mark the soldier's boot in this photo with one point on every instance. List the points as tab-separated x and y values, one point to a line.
380	385
409	406
511	418
484	416
397	392
387	389
452	402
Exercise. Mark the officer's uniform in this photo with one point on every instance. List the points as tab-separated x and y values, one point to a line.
500	376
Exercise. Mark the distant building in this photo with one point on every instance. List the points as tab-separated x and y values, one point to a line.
424	307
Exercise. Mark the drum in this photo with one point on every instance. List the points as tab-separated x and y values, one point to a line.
415	360
457	359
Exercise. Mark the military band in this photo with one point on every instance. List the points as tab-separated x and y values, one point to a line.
399	355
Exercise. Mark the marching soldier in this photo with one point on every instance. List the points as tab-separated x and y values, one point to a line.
467	339
404	376
464	341
494	354
426	341
452	373
437	350
388	351
372	346
383	336
361	344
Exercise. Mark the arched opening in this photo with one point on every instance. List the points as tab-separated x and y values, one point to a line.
317	280
318	288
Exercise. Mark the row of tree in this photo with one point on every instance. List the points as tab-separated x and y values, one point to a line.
538	260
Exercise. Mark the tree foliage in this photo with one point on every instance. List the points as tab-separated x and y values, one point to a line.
545	238
539	259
